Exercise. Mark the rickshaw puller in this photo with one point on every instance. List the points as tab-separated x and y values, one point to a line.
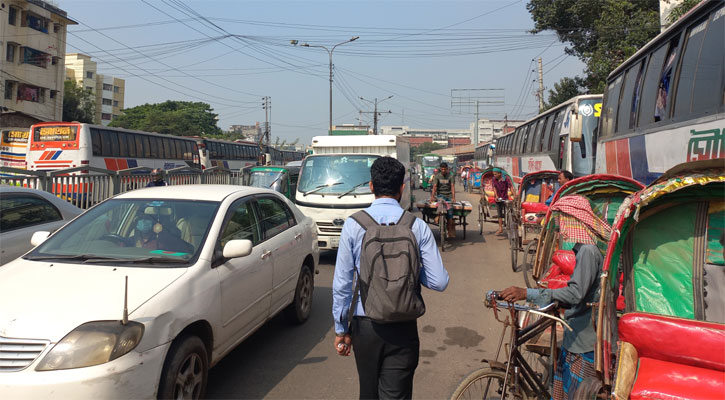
444	188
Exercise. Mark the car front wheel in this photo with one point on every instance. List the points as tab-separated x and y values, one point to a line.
185	371
301	306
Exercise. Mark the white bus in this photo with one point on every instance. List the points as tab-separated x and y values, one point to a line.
13	147
57	145
563	137
664	106
334	180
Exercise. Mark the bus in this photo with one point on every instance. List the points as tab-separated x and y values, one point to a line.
452	162
664	105
13	147
483	155
57	145
563	137
428	164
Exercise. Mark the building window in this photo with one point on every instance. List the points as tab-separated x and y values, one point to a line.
35	57
12	15
30	93
108	87
10	53
115	103
56	28
54	60
89	88
106	116
89	74
9	89
116	89
107	102
35	22
53	93
114	116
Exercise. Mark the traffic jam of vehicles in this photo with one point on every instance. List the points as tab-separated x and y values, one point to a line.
178	249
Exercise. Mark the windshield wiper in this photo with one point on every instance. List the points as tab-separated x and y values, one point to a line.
274	181
352	189
321	187
75	257
159	260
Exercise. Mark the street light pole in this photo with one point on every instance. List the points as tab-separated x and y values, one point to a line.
329	52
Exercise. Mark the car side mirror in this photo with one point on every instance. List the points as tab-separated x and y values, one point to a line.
237	248
39	237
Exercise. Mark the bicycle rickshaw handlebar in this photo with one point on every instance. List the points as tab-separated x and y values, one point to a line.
549	311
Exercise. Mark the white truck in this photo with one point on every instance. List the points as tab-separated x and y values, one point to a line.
334	180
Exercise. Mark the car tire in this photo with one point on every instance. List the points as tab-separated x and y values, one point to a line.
185	371
299	311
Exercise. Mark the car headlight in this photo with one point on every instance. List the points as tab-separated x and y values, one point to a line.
91	344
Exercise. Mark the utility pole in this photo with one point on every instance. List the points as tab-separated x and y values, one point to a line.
541	87
375	112
475	129
267	111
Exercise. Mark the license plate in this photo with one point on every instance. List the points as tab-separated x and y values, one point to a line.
334	242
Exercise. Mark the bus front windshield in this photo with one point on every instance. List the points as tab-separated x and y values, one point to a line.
266	179
431	161
583	153
336	174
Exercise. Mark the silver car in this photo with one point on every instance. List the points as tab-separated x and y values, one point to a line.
25	211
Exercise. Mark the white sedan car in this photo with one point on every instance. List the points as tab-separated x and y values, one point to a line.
143	293
25	211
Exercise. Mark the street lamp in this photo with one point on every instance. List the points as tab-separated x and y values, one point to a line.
329	52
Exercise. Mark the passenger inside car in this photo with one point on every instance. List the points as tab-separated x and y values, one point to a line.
151	233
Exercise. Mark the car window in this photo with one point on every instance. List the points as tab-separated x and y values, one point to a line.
241	225
275	216
20	211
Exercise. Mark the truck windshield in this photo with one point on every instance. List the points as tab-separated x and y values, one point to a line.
265	179
336	174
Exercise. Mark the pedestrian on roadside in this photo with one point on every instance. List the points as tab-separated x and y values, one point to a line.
383	333
502	189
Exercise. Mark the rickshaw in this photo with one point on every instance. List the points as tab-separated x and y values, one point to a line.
430	210
665	256
525	212
474	179
281	179
553	262
487	202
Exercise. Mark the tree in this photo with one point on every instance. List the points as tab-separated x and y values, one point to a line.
564	90
79	104
681	9
183	118
424	148
601	33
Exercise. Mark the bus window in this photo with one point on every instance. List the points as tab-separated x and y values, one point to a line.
96	142
179	149
625	104
688	65
609	111
662	106
709	85
650	86
131	140
546	133
536	141
109	143
122	145
138	142
556	130
160	148
636	97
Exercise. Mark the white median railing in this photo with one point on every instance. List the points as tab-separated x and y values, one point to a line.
86	186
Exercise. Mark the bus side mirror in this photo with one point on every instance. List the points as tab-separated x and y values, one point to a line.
575	130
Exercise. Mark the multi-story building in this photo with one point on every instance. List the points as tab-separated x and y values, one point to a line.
247	132
32	45
491	129
109	91
444	137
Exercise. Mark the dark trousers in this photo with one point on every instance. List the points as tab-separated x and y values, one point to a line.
386	356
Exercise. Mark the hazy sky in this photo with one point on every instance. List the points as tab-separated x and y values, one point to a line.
232	53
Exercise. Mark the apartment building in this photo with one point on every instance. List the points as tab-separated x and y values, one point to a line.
32	47
109	91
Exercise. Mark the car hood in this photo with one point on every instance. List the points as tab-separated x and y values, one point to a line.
43	300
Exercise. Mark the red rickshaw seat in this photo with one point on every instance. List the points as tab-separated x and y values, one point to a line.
658	379
529	207
676	340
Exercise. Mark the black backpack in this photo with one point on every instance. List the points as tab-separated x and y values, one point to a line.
389	280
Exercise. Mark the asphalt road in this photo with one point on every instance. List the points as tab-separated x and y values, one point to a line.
281	361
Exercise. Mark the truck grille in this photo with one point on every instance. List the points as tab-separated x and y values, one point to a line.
17	354
329	228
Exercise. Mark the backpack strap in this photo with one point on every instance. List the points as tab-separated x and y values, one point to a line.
407	219
365	220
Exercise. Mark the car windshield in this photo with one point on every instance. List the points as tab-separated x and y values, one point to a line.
336	174
265	179
147	232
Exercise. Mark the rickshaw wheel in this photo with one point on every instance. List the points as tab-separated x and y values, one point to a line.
442	226
528	264
481	219
514	256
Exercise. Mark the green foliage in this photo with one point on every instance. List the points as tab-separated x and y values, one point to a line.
424	148
681	9
563	90
79	104
183	118
601	33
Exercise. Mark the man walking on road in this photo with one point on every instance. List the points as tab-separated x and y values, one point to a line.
386	351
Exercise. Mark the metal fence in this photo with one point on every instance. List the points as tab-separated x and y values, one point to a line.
86	186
